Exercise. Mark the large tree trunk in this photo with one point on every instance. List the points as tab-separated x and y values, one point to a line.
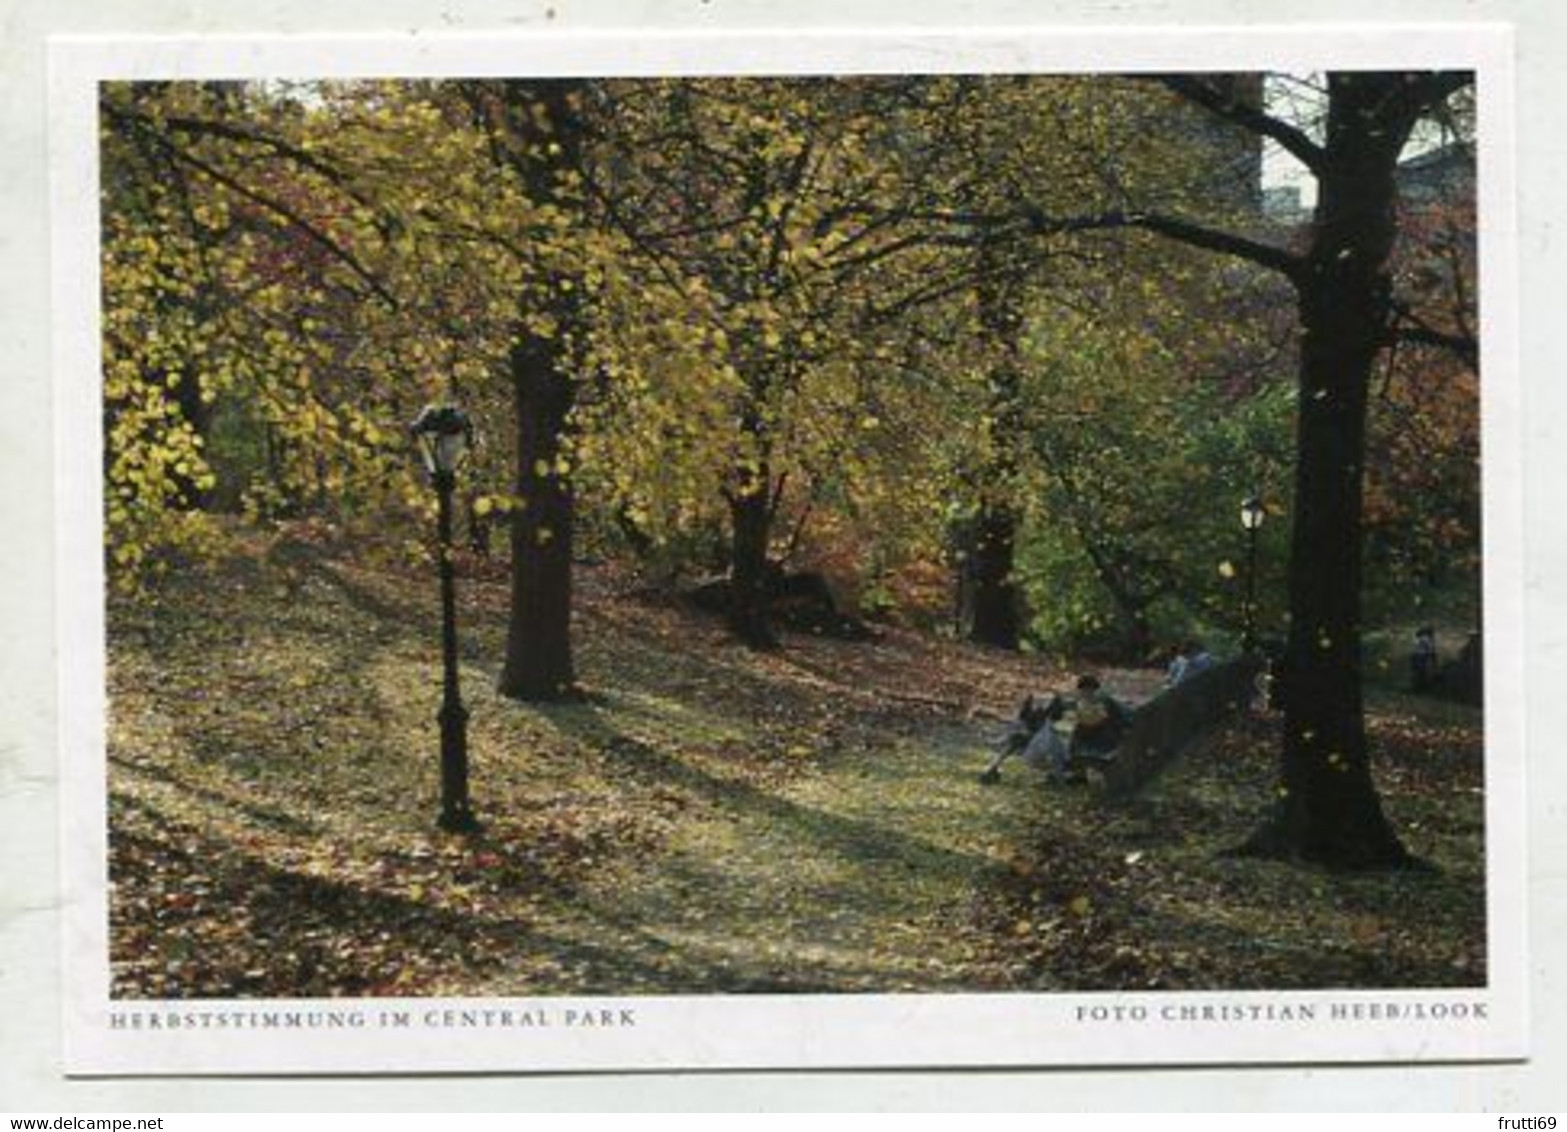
198	414
538	639
1136	633
993	600
1329	811
538	662
194	409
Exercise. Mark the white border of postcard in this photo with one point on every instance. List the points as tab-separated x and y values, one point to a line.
105	1036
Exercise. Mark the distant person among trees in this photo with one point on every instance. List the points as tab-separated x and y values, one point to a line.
1190	659
1464	678
1424	662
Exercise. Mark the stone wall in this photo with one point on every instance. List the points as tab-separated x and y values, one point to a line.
1166	725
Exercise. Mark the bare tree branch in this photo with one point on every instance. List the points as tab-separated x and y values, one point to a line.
1214	240
1411	328
1253	118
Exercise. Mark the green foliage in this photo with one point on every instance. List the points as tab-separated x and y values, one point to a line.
1139	451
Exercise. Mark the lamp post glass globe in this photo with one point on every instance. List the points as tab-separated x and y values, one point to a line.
444	434
1252	512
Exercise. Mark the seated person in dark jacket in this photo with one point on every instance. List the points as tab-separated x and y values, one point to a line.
1099	721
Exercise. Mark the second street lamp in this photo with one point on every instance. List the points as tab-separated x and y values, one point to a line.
443	434
1252	514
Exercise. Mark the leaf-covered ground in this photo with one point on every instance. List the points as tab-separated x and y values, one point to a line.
707	819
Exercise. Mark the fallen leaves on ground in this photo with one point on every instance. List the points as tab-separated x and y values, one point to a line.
1146	896
703	819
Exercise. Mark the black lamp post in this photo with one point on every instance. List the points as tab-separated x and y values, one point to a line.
1252	514
443	434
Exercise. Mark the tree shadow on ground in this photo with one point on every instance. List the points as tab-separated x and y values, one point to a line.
318	936
851	838
269	817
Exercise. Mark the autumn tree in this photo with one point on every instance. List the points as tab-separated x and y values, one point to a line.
1329	809
385	243
533	131
764	204
220	270
1422	493
1046	147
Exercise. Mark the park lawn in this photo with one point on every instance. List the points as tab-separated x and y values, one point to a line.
704	819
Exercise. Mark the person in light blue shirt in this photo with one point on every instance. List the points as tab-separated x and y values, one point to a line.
1189	661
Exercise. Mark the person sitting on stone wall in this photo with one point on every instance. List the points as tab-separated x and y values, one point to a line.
1190	659
1062	732
1033	736
1098	721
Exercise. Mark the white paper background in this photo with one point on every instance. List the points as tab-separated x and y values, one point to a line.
29	975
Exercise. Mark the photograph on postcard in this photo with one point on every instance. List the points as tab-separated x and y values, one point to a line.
967	534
